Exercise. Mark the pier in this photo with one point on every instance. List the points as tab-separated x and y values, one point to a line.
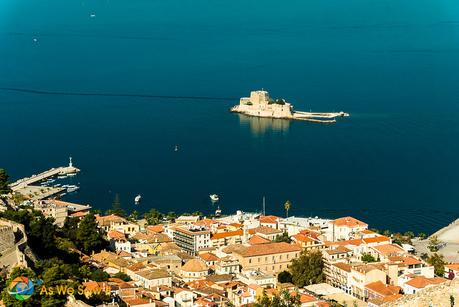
63	170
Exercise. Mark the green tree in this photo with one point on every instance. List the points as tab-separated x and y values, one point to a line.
4	188
438	262
422	235
287	207
99	275
409	234
122	276
153	217
368	258
283	299
434	244
134	216
89	237
284	277
70	228
307	269
283	238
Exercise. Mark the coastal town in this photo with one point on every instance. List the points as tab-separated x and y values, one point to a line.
240	259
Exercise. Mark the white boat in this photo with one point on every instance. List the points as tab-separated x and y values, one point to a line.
50	180
137	199
176	148
72	188
61	176
57	185
92	15
71	174
214	197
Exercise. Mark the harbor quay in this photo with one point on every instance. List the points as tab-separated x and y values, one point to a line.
26	187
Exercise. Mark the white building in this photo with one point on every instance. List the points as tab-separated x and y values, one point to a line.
150	278
192	239
345	228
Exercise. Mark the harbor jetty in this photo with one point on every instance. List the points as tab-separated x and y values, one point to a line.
26	187
259	104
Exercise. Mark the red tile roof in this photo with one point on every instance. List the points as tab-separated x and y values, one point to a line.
349	221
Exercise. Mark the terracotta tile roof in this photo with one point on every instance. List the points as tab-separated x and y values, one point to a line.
264	230
338	250
368	232
136	301
107	219
115	234
382	289
123	254
153	274
343	266
226	234
269	219
304	298
421	282
156	228
208	257
349	221
267	249
405	260
136	267
196	284
365	268
376	239
194	265
79	214
302	238
206	222
258	240
389	249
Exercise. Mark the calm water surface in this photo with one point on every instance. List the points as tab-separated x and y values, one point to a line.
392	64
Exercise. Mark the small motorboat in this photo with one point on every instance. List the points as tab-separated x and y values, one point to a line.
137	199
71	174
214	197
176	148
72	188
92	15
61	176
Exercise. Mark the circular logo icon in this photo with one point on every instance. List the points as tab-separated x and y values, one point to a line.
21	288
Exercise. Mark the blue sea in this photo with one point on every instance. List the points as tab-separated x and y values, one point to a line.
117	84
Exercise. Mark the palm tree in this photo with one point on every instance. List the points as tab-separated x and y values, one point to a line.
287	207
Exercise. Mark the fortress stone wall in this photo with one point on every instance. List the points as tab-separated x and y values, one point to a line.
436	296
6	236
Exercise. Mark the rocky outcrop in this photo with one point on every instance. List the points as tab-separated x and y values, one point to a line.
434	296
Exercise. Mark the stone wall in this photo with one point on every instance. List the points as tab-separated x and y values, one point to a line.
433	296
6	236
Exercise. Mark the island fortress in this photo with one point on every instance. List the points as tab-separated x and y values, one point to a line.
261	105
